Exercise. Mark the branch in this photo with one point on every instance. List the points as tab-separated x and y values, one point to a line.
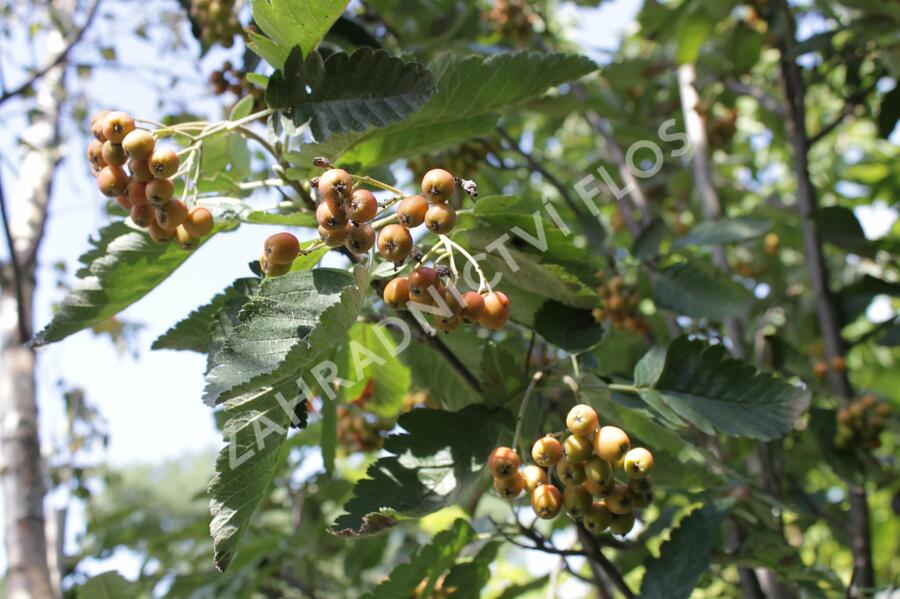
22	313
601	568
603	127
283	166
435	343
548	176
849	106
765	100
60	58
829	321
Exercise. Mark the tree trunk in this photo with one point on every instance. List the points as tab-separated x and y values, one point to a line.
21	465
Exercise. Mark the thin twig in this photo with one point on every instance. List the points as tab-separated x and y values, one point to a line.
435	344
92	11
525	401
846	110
552	179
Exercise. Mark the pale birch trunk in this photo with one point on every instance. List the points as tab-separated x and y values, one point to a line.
21	465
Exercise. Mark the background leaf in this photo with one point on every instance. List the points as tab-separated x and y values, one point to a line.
697	290
684	557
109	585
572	329
428	562
726	230
715	392
369	361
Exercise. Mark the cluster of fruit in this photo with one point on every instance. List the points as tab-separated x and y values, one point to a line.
620	305
861	423
584	464
217	20
234	80
465	159
425	287
513	19
344	214
358	430
837	364
146	190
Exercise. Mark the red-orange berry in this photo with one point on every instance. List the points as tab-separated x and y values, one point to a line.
360	238
171	214
95	153
511	487
143	215
112	181
199	222
438	185
140	170
546	501
411	211
440	218
116	125
163	163
472	306
363	206
335	184
582	420
495	314
394	243
334	237
281	248
185	239
546	451
97	125
330	215
611	444
421	280
159	234
136	192
396	293
113	154
159	191
139	144
503	462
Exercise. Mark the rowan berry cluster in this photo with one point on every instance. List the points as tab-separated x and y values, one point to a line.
860	424
836	364
358	430
465	159
345	214
513	19
146	189
620	304
584	466
425	288
230	79
217	20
